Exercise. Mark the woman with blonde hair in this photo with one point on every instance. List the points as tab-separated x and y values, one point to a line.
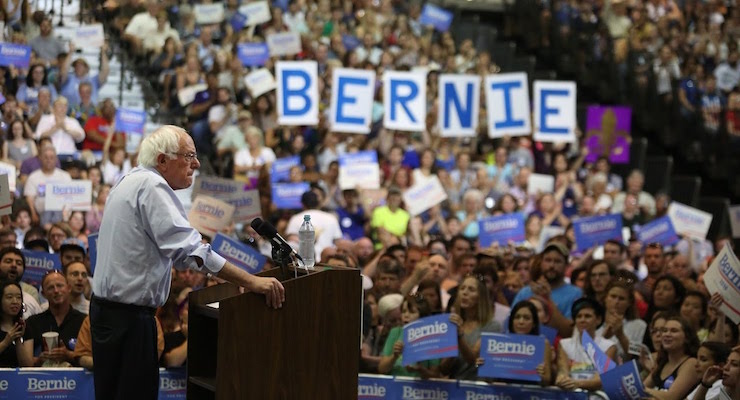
472	313
249	161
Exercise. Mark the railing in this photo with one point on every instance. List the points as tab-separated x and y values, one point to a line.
77	383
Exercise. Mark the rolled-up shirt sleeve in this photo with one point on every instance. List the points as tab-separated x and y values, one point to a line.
212	261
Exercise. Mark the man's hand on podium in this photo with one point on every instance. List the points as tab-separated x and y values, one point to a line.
272	289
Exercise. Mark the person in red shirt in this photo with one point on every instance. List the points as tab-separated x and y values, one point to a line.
97	128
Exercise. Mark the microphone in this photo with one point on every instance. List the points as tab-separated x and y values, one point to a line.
268	231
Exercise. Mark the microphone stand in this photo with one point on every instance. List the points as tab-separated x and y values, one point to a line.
281	257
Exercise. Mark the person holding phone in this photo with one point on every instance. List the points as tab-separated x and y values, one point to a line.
12	326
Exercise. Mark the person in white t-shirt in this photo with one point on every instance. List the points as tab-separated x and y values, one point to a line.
35	188
64	131
325	224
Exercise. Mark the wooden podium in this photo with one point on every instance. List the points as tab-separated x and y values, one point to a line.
308	349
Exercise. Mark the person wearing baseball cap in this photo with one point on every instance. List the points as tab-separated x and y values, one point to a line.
552	288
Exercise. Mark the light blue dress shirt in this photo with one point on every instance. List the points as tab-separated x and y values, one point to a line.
144	231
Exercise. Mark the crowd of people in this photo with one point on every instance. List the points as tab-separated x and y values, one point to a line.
640	301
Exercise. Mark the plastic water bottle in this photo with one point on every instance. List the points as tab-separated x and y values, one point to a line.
306	239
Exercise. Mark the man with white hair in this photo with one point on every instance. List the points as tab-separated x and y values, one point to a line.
144	232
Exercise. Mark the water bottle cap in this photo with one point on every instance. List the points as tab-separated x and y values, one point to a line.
306	217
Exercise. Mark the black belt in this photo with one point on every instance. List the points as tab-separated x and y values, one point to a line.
123	306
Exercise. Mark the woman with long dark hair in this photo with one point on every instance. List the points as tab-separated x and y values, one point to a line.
12	326
674	375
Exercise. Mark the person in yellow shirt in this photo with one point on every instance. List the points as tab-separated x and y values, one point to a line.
391	217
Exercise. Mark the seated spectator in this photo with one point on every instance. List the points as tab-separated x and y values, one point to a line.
175	350
21	217
94	217
389	312
35	187
575	368
97	128
391	217
322	221
552	287
154	40
598	275
645	201
249	161
391	362
58	233
473	315
621	325
86	108
76	274
710	354
60	318
64	131
12	326
729	382
28	91
70	81
674	376
694	310
19	146
47	46
12	267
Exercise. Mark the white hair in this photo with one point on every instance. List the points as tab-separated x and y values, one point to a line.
165	140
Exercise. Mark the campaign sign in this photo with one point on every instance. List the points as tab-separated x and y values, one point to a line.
689	221
209	215
92	251
424	195
350	42
187	94
658	231
594	231
376	387
501	229
128	120
436	16
404	100
351	100
17	55
246	205
549	333
498	391
287	196
61	383
38	263
459	105
297	92
280	169
540	183
723	277
206	14
554	111
73	195
238	253
89	36
359	170
623	383
735	221
256	12
6	203
10	171
511	356
259	82
429	338
507	105
415	389
219	188
601	361
284	43
172	384
608	133
238	21
253	54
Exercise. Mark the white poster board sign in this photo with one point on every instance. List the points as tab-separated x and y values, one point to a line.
73	195
89	36
209	215
735	220
540	183
723	277
689	221
424	195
